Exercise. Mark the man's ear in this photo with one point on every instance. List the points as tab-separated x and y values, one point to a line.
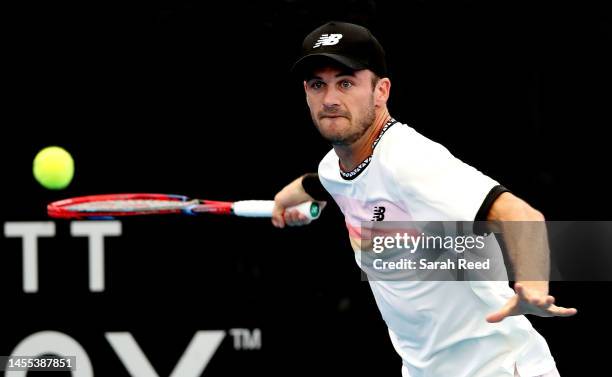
382	91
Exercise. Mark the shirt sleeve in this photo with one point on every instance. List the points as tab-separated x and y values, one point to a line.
495	192
313	187
435	185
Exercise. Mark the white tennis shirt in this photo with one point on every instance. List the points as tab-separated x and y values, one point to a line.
437	327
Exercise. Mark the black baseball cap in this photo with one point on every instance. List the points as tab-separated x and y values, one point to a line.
348	44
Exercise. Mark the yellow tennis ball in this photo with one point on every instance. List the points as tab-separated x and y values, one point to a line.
53	168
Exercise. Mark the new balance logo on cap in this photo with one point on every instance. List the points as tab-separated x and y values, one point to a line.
328	40
343	44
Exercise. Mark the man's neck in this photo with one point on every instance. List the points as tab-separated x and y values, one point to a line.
354	154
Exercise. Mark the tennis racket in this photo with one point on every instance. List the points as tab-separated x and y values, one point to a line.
113	205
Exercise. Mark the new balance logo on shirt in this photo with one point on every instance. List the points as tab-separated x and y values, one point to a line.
379	214
328	40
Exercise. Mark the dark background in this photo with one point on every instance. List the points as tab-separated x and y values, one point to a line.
196	98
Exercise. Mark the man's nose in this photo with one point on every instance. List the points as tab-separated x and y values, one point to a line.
331	98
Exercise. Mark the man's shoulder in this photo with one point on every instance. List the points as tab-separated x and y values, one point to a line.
402	143
329	163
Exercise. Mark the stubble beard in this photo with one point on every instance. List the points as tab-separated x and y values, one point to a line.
358	126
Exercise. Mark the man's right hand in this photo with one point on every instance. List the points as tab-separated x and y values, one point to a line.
291	195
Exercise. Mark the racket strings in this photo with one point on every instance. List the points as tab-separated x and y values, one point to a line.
131	205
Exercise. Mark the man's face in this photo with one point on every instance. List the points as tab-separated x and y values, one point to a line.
341	103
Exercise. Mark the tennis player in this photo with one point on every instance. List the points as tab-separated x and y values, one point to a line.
381	169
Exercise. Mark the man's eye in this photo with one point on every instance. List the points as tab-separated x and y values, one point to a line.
346	84
316	85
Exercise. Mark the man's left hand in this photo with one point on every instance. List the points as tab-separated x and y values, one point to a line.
531	298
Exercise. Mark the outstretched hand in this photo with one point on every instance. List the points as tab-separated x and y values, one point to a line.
531	298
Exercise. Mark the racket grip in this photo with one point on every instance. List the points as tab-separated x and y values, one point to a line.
312	210
263	208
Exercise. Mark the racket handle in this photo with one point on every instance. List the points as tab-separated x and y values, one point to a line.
312	210
263	208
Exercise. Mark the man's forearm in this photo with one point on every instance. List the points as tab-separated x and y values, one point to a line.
527	247
525	237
